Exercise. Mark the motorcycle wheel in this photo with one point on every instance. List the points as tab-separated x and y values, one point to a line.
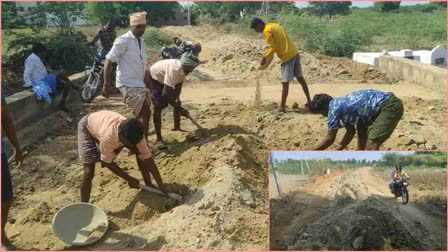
404	195
92	88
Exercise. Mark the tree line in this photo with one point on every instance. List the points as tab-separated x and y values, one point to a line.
417	159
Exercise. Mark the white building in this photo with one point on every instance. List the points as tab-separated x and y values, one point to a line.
436	56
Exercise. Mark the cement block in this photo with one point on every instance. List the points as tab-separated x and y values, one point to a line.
415	72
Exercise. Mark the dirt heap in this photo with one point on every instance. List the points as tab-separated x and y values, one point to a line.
220	174
363	225
361	215
225	57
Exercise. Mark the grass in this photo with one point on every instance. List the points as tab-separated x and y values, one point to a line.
362	30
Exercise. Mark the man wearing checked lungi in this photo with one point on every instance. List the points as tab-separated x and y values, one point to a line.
129	50
166	78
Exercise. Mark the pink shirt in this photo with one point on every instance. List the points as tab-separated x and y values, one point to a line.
103	125
168	72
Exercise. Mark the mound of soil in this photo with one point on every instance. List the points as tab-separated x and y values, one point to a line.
363	225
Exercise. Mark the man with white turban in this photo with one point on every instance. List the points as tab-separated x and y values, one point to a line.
166	78
129	50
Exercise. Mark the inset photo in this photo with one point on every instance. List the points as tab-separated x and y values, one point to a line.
345	201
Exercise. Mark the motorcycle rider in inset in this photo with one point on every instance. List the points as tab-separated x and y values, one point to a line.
397	175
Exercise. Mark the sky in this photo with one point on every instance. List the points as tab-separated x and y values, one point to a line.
361	4
335	155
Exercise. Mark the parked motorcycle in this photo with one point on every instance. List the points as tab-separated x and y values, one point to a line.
93	85
181	48
402	191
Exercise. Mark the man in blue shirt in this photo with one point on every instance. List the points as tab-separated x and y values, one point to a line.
7	193
374	114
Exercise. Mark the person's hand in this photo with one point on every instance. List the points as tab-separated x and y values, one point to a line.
184	112
18	157
105	91
133	183
263	61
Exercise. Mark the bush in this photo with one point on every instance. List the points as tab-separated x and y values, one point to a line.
154	38
345	43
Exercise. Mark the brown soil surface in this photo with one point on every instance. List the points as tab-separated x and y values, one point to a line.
354	210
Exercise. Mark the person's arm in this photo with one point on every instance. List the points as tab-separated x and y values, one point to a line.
362	136
113	167
349	134
152	167
96	38
10	131
327	141
392	175
27	73
147	79
119	47
270	40
107	78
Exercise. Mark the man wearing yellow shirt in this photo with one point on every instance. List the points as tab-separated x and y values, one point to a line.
397	175
280	43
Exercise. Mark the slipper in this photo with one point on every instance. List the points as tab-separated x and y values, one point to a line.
161	146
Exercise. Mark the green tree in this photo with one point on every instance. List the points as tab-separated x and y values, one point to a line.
62	14
441	4
9	15
101	12
392	6
330	8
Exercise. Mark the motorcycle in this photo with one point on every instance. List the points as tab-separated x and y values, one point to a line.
181	48
402	191
94	83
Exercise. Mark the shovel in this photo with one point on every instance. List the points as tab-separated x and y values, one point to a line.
173	196
194	122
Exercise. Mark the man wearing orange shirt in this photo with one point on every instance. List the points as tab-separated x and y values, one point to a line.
101	137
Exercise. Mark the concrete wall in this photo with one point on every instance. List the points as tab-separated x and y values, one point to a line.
415	72
34	119
26	109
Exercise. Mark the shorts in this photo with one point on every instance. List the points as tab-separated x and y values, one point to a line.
161	100
7	193
135	98
291	68
88	150
386	121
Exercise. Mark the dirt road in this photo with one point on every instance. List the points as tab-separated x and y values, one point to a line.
354	210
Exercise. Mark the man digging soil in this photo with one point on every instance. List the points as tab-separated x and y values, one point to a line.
280	43
101	137
166	78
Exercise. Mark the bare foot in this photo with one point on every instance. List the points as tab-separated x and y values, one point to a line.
181	130
282	110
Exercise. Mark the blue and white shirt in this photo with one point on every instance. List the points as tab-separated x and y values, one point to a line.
359	107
